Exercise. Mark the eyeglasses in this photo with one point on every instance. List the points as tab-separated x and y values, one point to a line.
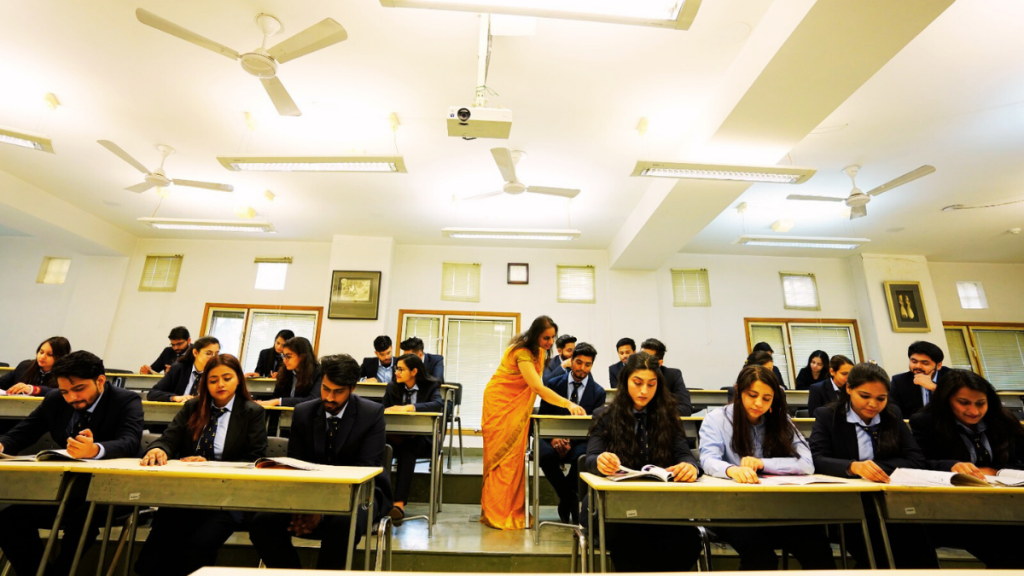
288	356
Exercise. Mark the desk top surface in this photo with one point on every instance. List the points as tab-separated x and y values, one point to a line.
228	470
708	484
226	571
22	466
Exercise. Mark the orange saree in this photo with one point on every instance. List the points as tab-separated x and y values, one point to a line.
508	403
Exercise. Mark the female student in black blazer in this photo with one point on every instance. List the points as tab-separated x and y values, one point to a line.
966	429
755	433
410	374
299	379
832	387
815	371
862	436
181	382
32	377
641	426
269	361
224	424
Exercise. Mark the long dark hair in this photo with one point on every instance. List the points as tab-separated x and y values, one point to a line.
305	373
1002	428
189	356
779	430
424	380
531	338
61	348
200	418
663	424
758	358
889	425
821	355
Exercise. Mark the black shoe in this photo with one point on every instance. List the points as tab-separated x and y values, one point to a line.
397	516
565	510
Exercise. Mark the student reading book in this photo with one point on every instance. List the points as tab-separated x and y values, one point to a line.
44	456
648	472
755	433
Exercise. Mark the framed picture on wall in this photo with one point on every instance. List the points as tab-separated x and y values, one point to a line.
355	295
906	307
518	273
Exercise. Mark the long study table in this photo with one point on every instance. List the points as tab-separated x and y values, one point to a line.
41	483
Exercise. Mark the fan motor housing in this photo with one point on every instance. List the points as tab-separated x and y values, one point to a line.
858	198
259	65
514	188
157	179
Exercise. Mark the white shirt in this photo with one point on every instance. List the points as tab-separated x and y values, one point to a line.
222	429
864	447
716	454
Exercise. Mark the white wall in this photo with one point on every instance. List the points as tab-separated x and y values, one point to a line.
82	309
1004	290
211	272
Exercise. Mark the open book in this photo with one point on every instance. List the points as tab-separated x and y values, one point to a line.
44	456
914	477
649	472
1007	477
283	463
799	480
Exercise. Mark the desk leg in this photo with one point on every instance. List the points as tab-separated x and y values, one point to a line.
56	526
842	545
369	526
434	471
131	541
600	526
357	501
867	544
590	525
81	541
106	538
877	499
535	500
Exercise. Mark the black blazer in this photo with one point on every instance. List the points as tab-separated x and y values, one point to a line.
674	381
821	394
613	374
778	376
593	398
428	399
834	445
370	365
597	444
907	395
944	455
805	378
553	368
173	383
116	423
247	433
283	390
167	358
268	362
360	441
434	363
14	376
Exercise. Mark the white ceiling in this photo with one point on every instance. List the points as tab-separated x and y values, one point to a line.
952	98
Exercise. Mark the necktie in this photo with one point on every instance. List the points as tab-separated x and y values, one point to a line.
205	446
982	458
42	378
408	396
575	396
82	423
641	435
333	425
873	434
193	387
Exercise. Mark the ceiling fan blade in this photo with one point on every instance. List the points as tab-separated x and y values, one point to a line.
564	192
279	96
503	156
140	187
858	212
816	198
316	37
478	196
205	185
123	155
150	19
908	177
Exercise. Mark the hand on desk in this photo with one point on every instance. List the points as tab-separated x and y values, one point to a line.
193	459
83	446
576	410
971	469
868	470
183	398
1	448
373	380
683	472
404	408
743	474
272	402
21	389
608	463
155	457
145	370
252	375
303	524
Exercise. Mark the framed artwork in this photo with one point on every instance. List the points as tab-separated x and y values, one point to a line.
518	273
355	295
906	307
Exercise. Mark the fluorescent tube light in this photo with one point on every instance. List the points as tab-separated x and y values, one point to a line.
26	140
803	242
770	174
509	234
314	164
674	14
207	225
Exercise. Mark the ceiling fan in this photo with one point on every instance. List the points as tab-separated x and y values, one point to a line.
262	62
157	178
857	201
507	160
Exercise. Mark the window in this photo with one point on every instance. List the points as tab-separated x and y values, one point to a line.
160	273
960	352
53	270
576	284
972	295
794	340
245	330
472	344
690	288
271	273
799	291
460	282
996	351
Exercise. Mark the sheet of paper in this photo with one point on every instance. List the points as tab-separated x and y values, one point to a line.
799	480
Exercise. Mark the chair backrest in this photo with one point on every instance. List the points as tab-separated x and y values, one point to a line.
277	447
147	439
116	371
4	365
581	486
803	413
458	392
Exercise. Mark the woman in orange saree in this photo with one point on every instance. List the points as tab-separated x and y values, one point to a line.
508	403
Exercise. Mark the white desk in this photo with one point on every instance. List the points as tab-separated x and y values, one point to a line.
38	483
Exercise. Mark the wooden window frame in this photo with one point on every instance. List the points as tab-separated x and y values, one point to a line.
972	342
248	308
785	322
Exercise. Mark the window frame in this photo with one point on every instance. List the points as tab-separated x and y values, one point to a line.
249	309
558	283
972	350
44	270
972	340
788	323
982	297
814	281
701	272
479	282
143	288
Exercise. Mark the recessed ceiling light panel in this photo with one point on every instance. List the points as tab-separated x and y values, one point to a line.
769	174
314	164
817	242
509	234
25	140
188	224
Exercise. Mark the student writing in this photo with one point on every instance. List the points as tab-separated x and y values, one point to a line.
181	382
33	377
299	381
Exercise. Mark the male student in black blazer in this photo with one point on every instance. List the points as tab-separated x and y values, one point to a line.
625	348
673	376
434	363
93	422
579	386
381	366
358	440
180	343
559	364
912	390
